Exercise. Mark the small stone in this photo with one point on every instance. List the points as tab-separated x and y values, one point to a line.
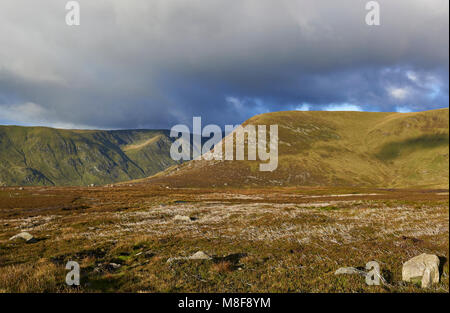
349	271
25	236
423	268
115	265
183	218
200	255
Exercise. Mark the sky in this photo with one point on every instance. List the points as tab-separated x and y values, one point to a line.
157	63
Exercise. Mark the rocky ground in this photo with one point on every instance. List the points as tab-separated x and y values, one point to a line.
143	238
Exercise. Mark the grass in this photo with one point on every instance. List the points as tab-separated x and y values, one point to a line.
363	149
41	276
260	240
386	201
47	156
393	150
360	149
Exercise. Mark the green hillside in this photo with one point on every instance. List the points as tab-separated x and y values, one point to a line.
338	149
315	149
47	156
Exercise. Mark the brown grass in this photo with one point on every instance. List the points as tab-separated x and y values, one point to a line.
222	267
261	240
41	276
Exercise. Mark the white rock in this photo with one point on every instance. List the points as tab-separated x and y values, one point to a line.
182	218
424	267
115	265
200	255
427	280
349	271
25	236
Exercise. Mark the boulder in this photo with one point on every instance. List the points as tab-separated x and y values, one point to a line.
200	255
423	268
25	236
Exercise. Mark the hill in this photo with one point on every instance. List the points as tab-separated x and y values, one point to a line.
389	150
47	156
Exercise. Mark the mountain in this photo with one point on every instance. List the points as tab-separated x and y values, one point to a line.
389	150
47	156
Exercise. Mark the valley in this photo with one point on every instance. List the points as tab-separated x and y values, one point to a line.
49	157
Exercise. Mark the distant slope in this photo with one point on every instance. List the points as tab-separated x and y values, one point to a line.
337	149
47	156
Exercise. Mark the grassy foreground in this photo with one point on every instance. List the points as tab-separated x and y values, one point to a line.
261	240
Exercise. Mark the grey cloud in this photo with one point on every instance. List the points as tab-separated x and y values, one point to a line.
134	64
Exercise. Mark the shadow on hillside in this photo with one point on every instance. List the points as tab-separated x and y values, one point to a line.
393	150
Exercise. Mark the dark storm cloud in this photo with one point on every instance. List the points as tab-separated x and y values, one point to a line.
155	63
